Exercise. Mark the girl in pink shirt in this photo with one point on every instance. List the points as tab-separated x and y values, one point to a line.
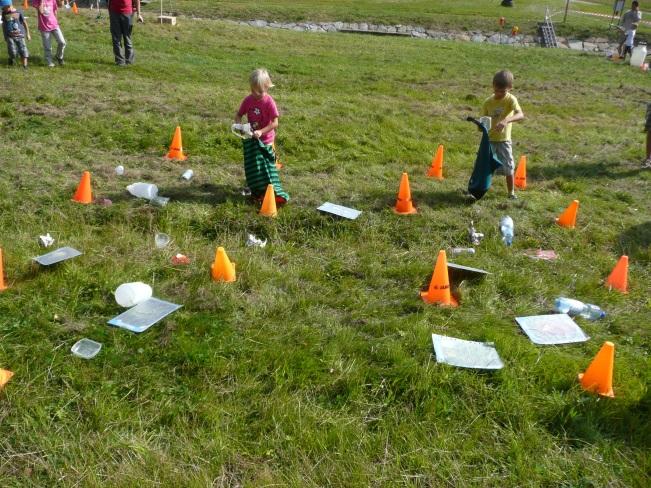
48	25
259	156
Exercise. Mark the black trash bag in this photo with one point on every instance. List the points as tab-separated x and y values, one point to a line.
486	164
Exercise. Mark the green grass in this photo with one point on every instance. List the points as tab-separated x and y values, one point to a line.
446	14
316	368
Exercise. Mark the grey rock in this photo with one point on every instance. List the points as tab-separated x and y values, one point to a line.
576	45
477	38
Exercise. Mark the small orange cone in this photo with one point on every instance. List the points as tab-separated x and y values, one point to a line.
84	194
618	278
176	148
5	376
520	177
268	208
568	217
3	285
279	165
75	10
598	377
25	5
404	205
436	170
439	287
222	269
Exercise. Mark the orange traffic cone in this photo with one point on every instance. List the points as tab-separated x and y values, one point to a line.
84	193
268	208
25	5
520	177
404	205
439	287
618	278
568	217
599	375
75	10
436	170
5	376
3	285
279	165
222	269
176	148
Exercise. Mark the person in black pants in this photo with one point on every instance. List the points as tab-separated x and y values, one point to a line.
121	14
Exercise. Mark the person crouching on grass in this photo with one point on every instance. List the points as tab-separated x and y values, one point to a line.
259	156
15	32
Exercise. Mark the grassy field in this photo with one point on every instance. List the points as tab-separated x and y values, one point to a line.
316	368
458	14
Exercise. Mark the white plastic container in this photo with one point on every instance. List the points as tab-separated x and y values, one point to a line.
639	55
86	348
130	294
143	190
162	240
187	174
119	170
243	131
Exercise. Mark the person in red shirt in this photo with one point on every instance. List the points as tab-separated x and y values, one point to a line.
121	21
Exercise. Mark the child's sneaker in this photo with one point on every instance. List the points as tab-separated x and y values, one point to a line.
50	65
513	196
60	61
646	164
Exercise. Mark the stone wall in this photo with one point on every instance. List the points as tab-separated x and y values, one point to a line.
594	45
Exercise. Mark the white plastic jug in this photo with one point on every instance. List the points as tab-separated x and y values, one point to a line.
639	55
130	294
243	131
143	190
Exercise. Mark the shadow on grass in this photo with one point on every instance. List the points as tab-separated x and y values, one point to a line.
581	170
207	193
431	199
636	242
442	199
599	418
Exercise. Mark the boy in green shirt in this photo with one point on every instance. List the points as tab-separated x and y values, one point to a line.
503	109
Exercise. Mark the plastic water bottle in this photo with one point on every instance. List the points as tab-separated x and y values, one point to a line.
575	307
506	229
143	190
456	251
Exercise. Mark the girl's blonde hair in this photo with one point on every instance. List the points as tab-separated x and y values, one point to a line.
260	79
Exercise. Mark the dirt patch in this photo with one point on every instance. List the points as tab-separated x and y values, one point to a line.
43	110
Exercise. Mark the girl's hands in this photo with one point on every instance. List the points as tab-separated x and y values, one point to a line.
257	134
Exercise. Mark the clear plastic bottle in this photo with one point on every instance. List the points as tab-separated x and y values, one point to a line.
143	190
456	251
575	307
507	230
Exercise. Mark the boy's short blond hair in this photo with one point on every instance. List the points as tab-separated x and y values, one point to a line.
503	79
260	79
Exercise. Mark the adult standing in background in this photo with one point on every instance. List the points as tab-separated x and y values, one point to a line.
121	13
629	24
